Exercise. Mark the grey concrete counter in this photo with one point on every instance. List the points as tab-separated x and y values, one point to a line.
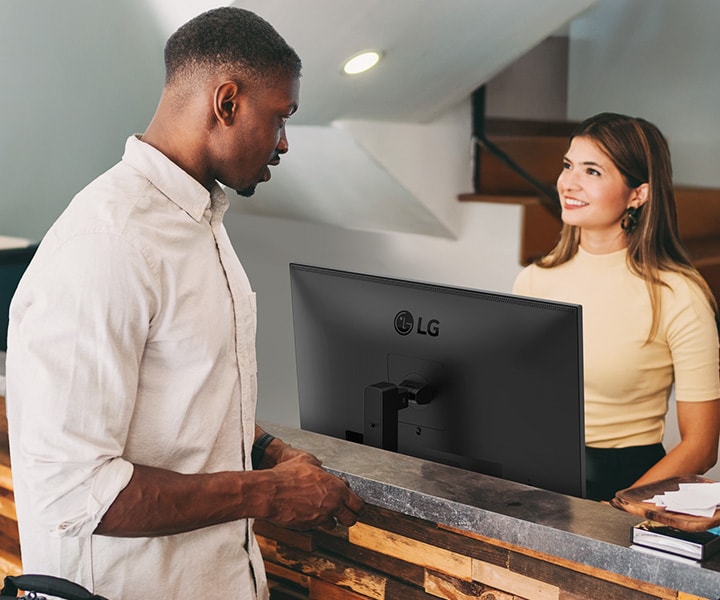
582	531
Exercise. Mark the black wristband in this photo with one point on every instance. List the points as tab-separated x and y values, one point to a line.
258	449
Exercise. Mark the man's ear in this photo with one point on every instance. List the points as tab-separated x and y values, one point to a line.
639	195
225	102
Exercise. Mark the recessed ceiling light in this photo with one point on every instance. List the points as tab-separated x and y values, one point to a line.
361	62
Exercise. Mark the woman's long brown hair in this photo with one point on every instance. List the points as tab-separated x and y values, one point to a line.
640	152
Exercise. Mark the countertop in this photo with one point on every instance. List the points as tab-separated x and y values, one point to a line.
579	530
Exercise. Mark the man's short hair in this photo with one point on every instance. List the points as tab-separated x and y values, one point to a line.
230	39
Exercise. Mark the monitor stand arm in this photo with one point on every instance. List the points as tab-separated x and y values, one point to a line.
383	402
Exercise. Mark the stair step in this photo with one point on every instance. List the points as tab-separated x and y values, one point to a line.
521	199
540	157
497	127
698	212
704	251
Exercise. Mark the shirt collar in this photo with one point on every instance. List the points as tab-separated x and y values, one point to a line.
175	183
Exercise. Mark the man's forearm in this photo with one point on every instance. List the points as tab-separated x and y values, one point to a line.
291	490
158	502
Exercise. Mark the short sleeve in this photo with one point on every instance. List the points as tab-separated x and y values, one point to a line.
692	337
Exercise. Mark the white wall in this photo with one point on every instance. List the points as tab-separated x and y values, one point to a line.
534	86
656	59
77	77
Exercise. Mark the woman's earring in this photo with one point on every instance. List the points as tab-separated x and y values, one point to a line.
629	221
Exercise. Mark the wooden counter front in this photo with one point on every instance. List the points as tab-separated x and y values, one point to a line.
390	556
432	531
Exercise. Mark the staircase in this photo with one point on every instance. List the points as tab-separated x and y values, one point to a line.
538	148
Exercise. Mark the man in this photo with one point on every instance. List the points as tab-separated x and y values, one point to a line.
131	376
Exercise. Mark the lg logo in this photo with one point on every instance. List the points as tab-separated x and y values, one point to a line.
405	324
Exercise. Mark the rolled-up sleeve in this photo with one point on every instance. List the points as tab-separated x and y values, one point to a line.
79	323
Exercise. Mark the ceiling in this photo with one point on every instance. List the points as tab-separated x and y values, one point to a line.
436	51
435	54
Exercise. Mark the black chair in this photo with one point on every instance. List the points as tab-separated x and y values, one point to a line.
13	262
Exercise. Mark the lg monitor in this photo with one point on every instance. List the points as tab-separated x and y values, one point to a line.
484	381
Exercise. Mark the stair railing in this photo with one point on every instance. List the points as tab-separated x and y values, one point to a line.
548	196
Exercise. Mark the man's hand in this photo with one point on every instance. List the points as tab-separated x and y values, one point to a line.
302	495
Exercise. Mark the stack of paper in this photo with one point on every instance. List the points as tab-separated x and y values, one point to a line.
698	499
697	545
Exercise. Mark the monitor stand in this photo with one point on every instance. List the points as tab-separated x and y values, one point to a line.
383	402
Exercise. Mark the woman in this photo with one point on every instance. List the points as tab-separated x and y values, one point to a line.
649	318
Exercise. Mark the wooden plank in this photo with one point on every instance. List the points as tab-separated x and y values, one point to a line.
514	583
330	568
268	546
280	591
585	585
321	590
432	534
4	446
290	537
412	551
398	569
684	596
7	507
6	481
396	590
350	577
9	539
290	575
10	564
594	573
449	588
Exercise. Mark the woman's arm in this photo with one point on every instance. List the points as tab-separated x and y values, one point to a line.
699	425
